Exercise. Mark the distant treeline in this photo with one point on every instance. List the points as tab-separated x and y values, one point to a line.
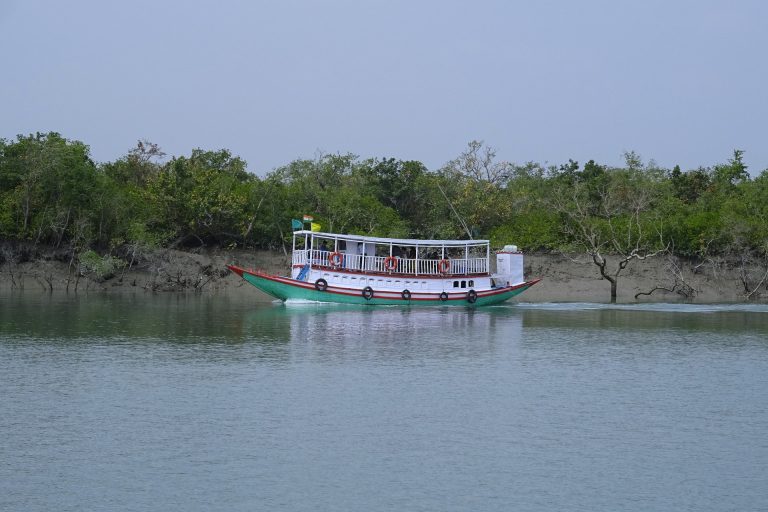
52	193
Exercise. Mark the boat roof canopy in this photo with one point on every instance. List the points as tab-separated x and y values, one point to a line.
393	241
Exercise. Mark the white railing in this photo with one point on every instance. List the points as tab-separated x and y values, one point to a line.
382	264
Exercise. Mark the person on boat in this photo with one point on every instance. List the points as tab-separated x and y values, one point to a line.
323	253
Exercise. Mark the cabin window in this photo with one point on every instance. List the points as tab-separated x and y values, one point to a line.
471	284
455	284
463	284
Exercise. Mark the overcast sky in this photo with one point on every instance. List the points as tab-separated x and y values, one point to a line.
680	82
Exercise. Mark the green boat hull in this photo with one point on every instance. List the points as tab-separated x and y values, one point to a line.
284	288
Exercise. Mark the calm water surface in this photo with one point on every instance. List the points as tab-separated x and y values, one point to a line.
190	403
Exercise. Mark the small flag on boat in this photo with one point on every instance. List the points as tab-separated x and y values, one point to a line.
296	224
314	226
308	218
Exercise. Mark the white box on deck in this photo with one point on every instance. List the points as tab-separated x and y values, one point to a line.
509	266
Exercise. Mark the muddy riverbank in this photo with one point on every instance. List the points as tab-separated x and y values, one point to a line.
564	277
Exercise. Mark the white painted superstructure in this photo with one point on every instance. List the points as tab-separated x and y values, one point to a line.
384	264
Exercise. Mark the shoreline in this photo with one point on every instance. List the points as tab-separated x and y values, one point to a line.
565	278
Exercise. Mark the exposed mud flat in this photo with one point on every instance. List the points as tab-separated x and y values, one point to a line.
660	279
157	271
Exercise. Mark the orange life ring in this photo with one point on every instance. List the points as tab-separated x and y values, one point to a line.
443	266
390	263
336	259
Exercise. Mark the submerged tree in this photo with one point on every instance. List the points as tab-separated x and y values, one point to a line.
611	212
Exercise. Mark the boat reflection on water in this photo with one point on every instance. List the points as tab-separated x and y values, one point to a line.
332	331
261	329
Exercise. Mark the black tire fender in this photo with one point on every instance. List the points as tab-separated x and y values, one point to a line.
443	296
321	285
367	293
471	296
406	295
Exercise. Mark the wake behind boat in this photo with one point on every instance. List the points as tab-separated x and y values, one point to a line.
351	269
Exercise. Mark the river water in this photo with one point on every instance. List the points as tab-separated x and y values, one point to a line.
196	403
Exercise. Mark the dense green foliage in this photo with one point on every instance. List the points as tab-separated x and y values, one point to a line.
53	193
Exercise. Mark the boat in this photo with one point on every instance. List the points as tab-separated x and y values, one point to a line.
352	269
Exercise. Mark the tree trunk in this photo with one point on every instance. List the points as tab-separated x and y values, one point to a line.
601	263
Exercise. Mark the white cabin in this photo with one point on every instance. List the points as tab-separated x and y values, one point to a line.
390	263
